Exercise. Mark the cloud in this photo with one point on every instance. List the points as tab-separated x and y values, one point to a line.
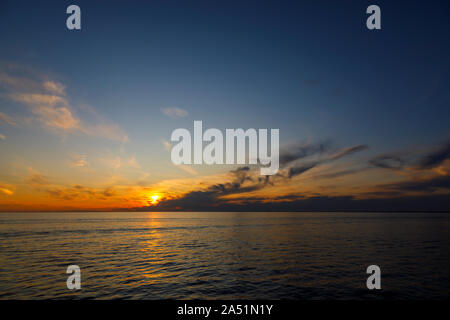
436	157
415	162
35	179
349	151
102	127
340	173
117	162
387	197
82	162
301	168
48	102
237	185
388	161
297	170
213	195
70	193
321	151
245	190
52	111
7	119
78	160
54	87
188	169
2	137
13	83
132	162
201	201
246	180
423	185
7	189
174	112
109	131
80	192
302	150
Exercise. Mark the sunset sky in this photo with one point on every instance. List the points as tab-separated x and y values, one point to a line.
86	116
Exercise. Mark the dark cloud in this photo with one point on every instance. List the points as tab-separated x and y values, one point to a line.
297	170
301	150
109	192
211	197
428	185
340	173
241	175
436	157
386	197
349	151
388	161
198	201
427	161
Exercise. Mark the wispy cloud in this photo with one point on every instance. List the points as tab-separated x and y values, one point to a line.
132	163
304	157
348	151
40	183
35	179
102	127
440	182
80	192
78	160
299	169
2	137
174	112
7	119
52	111
50	105
388	161
301	150
7	189
115	161
54	87
435	157
187	169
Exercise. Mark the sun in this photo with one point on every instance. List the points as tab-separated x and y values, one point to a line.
155	198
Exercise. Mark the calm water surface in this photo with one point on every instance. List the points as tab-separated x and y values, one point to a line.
225	255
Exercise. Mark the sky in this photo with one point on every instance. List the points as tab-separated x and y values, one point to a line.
86	115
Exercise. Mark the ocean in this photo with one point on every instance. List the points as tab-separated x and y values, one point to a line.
224	255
